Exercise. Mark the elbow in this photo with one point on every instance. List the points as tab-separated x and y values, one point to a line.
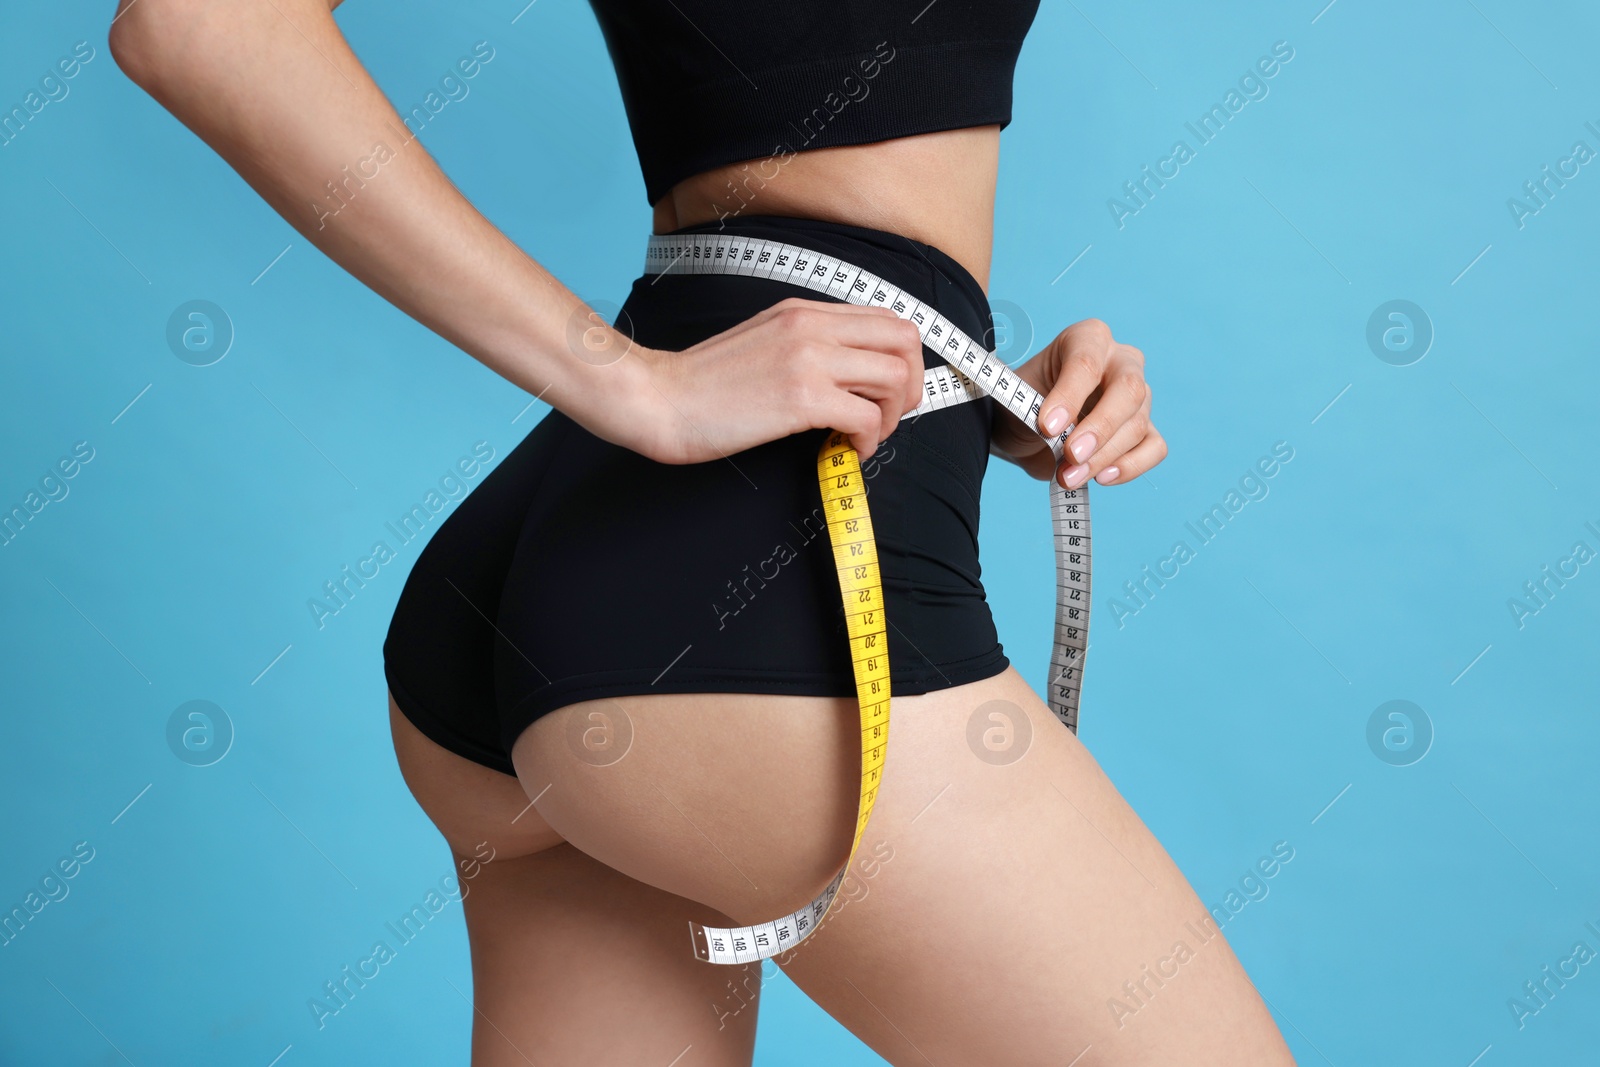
125	40
129	41
180	47
148	36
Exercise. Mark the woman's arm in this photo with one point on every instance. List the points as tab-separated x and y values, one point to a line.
274	88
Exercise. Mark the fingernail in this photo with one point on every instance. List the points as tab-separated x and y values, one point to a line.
1077	475
1053	420
1083	447
1107	476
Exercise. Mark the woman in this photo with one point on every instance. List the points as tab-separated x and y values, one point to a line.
604	789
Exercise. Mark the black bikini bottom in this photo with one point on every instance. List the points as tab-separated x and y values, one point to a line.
578	569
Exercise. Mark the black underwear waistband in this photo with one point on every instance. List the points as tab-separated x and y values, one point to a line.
880	249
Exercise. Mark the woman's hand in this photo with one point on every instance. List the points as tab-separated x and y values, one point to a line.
798	365
1085	374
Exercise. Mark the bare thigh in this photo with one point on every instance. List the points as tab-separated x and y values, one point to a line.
573	963
995	911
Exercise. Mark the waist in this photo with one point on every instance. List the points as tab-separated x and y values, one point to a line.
923	270
937	188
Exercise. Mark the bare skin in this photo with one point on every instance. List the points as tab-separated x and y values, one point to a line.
1017	900
865	185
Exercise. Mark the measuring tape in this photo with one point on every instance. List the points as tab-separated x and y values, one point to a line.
973	372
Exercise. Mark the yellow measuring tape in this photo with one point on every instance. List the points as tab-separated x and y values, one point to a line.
973	373
855	557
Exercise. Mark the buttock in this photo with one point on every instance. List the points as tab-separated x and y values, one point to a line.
578	569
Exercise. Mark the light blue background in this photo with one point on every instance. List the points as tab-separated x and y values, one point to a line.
1230	710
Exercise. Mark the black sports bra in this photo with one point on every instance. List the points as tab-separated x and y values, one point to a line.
711	82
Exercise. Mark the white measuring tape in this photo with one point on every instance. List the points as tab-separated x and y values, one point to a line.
973	372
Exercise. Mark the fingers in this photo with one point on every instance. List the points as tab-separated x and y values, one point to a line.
880	379
1100	389
885	379
884	350
877	331
1072	474
1080	354
859	419
799	310
798	364
845	324
858	391
1124	396
1117	421
1135	461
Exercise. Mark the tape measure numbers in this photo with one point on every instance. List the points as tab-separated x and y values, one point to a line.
974	372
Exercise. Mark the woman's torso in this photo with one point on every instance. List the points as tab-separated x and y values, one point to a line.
885	115
935	187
